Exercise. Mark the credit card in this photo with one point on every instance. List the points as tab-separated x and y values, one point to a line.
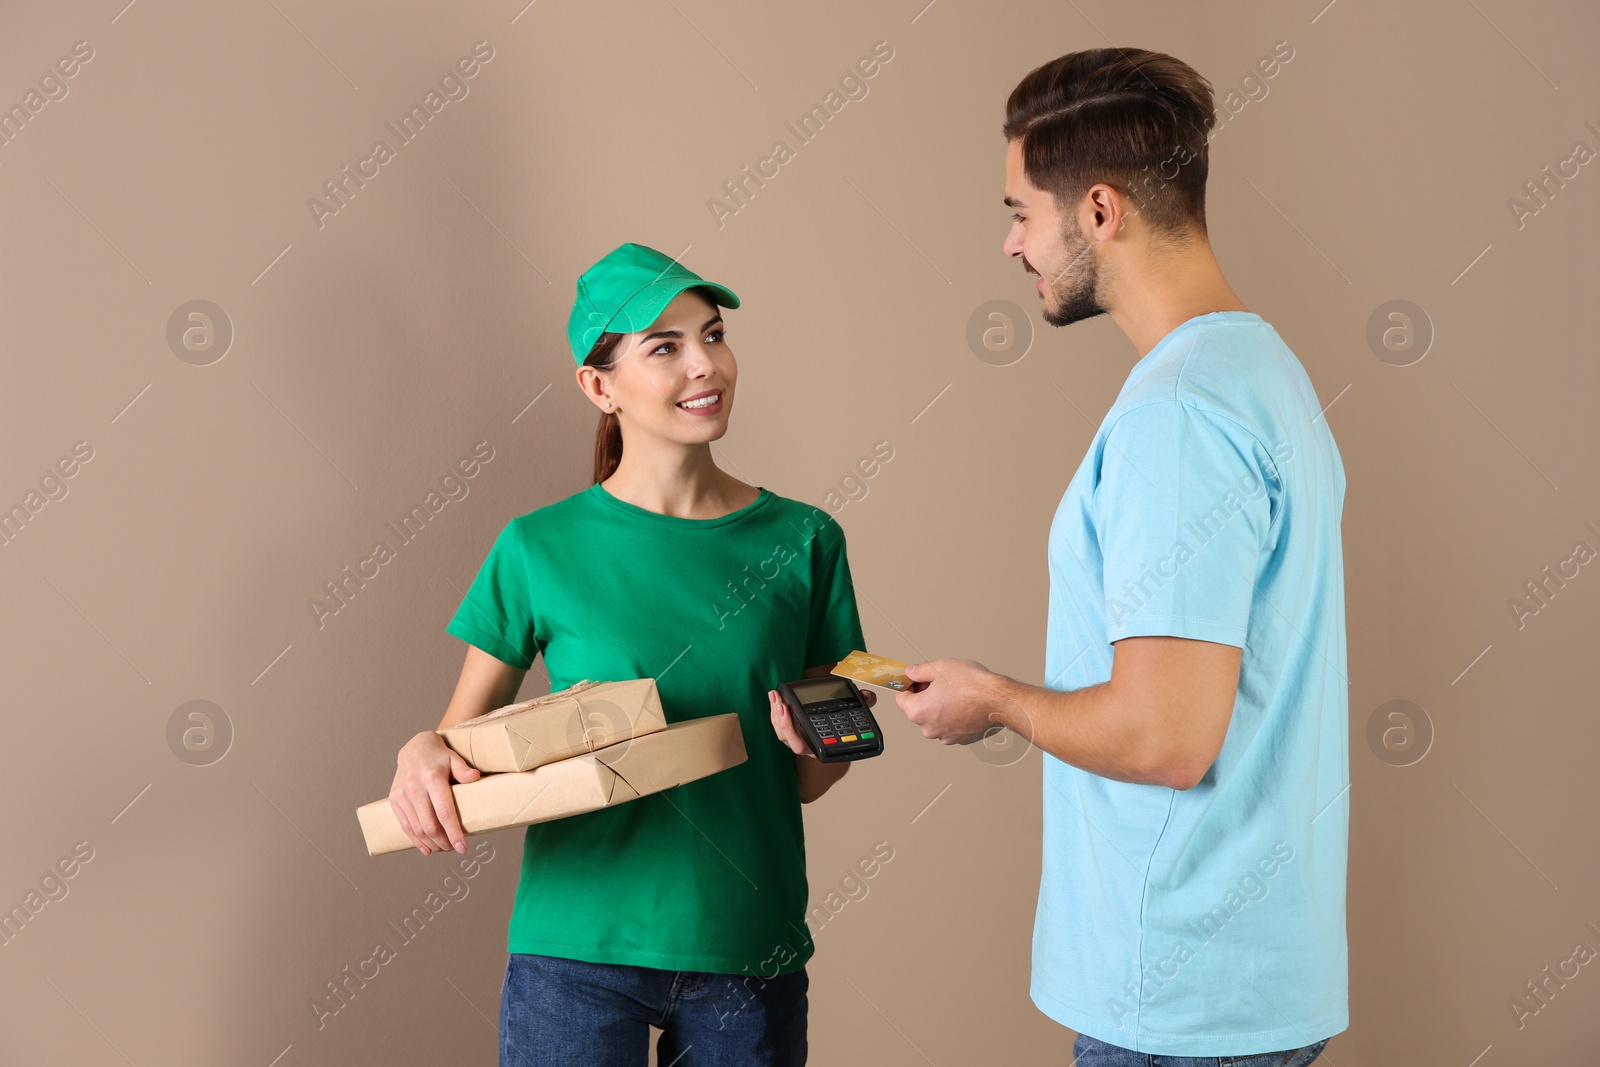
874	670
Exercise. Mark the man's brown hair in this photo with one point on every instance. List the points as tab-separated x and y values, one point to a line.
1136	120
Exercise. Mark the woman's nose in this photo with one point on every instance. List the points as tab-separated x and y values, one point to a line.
698	363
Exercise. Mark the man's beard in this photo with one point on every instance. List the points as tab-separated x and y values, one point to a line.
1073	291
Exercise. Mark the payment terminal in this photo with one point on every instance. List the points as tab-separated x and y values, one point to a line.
832	717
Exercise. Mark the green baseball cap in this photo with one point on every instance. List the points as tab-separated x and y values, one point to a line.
627	291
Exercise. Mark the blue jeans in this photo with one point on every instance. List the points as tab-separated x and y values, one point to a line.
557	1012
1090	1052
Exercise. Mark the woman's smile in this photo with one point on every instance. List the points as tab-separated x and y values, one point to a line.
706	403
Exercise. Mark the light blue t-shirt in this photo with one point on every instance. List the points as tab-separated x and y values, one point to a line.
1207	921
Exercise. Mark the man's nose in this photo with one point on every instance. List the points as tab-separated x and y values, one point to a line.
1012	245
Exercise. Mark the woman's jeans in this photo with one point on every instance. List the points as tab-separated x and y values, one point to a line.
1090	1052
557	1012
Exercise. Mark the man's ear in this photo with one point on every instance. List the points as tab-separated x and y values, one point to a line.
1110	212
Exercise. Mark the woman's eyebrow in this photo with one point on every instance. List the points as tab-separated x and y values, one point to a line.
679	333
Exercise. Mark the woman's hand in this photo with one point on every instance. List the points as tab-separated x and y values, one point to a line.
421	797
783	723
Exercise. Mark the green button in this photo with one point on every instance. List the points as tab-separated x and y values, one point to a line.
865	736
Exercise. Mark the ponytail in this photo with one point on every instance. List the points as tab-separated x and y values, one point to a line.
607	446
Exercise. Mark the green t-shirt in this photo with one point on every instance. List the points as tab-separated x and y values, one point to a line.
711	875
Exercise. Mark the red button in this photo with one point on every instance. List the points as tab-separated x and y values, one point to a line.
829	740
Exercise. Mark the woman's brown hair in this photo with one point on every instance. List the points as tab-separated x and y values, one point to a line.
1136	120
608	436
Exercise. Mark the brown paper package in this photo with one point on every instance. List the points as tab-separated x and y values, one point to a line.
648	763
579	719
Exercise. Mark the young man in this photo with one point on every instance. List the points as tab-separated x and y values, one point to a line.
1194	714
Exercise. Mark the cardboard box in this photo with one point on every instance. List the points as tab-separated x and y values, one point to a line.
579	719
616	774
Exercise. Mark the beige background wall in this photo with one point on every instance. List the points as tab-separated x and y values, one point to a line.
371	352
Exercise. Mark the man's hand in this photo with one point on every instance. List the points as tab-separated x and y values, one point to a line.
1161	719
954	701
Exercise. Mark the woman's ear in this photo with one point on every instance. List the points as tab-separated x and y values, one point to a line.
593	384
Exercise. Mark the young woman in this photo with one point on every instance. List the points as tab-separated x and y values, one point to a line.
685	909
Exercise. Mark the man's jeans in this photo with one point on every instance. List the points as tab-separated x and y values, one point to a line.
1090	1052
557	1012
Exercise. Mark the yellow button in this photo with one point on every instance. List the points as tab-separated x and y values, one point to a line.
848	737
